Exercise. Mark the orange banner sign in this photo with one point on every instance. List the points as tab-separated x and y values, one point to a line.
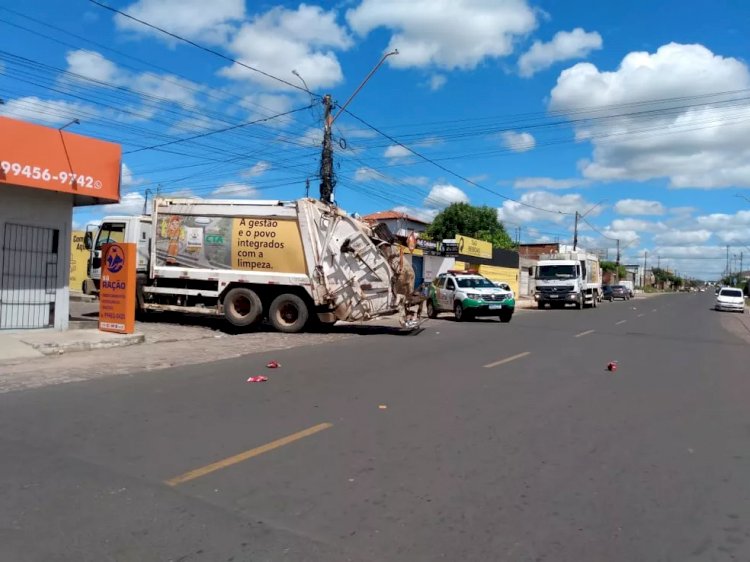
117	288
45	158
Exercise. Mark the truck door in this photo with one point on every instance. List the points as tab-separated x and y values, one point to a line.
109	233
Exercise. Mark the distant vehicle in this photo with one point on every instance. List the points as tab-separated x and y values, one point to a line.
730	300
469	295
702	289
629	286
568	278
612	292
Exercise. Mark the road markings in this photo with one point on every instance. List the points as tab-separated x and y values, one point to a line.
507	360
654	310
620	322
641	315
224	463
586	333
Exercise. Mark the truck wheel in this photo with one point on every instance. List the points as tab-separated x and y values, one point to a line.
242	307
505	316
580	302
431	312
458	312
540	305
288	313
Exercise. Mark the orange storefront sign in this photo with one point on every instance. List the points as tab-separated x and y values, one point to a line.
45	158
117	288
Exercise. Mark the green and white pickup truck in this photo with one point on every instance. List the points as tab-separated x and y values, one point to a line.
468	295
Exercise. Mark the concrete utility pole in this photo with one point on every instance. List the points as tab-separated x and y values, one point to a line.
575	234
327	181
618	252
643	281
727	271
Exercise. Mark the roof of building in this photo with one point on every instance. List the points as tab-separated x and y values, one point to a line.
391	215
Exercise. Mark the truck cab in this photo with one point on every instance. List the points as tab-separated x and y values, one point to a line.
563	279
468	294
116	229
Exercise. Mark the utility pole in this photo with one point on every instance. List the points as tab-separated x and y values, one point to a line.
575	234
618	252
643	281
327	181
727	271
658	262
307	187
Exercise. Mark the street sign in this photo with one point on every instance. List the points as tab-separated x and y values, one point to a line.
473	247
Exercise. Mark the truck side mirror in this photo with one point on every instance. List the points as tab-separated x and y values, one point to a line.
88	240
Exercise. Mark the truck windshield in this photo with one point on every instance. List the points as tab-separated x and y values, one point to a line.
556	272
475	283
110	232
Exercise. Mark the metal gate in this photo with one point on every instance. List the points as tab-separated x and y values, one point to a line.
28	280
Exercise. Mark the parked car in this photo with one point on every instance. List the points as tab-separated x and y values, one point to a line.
612	292
730	299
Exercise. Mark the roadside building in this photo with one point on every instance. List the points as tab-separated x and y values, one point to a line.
44	173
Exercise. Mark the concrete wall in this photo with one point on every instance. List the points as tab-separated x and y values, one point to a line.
47	209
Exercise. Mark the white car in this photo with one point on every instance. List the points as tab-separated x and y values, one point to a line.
732	300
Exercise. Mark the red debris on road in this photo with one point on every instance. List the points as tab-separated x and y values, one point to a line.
259	378
273	365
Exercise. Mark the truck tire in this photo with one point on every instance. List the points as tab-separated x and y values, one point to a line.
540	305
288	313
431	311
242	307
581	301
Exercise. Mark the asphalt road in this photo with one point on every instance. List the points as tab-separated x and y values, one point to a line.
467	442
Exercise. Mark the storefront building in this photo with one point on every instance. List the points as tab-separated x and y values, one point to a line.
44	173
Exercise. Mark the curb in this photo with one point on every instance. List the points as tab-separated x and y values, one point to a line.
55	349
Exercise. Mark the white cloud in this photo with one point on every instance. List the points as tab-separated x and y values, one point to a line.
415	180
130	204
127	179
267	105
257	169
426	215
639	207
723	221
365	173
234	189
312	137
442	195
437	81
47	112
683	237
282	40
562	207
565	45
155	87
699	142
92	65
396	151
550	183
637	224
518	142
445	34
193	19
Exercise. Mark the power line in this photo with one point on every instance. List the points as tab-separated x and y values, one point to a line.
449	171
201	47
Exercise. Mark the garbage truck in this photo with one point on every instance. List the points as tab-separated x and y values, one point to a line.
294	263
568	278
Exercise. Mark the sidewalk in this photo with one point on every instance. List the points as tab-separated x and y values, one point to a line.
19	346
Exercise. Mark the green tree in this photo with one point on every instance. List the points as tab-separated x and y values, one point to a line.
612	267
476	222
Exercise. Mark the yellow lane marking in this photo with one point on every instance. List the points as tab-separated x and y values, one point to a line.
224	463
507	360
586	333
620	322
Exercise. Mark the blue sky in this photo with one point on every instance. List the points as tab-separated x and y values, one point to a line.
637	114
